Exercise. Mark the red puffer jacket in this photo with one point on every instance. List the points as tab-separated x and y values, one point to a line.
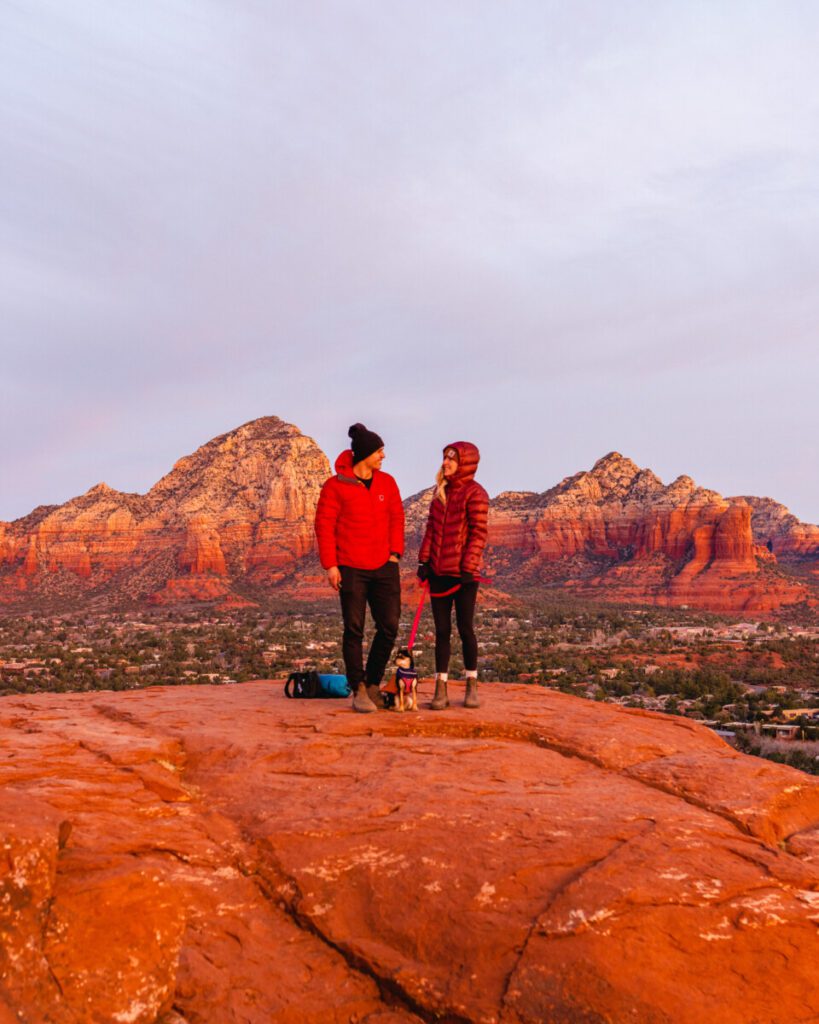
456	531
356	526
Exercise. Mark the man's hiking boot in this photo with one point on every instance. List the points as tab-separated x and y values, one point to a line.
361	700
471	698
376	696
440	699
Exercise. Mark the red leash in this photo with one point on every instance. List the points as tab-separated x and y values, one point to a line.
417	619
446	593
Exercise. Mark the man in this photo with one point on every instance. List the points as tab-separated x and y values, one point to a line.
360	532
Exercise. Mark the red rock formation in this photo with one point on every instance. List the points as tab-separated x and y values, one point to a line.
261	860
202	552
618	533
773	524
239	508
234	520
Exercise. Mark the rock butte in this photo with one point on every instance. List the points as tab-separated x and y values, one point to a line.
219	855
231	524
617	533
238	510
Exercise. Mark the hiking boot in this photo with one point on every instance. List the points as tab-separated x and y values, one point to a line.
440	699
377	697
471	698
361	700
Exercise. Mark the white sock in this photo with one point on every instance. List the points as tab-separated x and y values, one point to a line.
443	676
471	673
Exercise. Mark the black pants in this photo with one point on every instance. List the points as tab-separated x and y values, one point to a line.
464	601
381	590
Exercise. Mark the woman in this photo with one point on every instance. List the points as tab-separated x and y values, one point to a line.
450	559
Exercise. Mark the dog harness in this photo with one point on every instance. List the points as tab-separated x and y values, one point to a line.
405	677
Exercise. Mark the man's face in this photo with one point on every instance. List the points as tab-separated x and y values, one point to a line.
374	461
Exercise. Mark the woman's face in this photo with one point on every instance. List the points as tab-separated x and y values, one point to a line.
450	463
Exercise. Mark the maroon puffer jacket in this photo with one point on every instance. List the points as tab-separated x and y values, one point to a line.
456	531
356	526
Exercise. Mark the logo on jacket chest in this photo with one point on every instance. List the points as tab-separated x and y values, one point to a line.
380	497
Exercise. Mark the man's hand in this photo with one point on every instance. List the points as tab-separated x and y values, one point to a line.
394	558
334	577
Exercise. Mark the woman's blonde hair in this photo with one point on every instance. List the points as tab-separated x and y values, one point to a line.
440	485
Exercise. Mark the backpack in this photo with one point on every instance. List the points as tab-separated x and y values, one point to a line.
308	685
302	684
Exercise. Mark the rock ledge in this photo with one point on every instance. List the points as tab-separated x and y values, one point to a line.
197	854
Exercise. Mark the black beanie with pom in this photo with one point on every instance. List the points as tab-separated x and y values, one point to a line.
364	442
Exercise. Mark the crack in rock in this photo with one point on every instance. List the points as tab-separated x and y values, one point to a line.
391	991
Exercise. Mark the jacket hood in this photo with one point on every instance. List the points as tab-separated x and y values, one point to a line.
344	464
468	459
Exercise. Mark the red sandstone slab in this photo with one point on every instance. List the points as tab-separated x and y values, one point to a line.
544	858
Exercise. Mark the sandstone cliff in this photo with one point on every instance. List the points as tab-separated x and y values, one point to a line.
202	855
778	529
237	512
616	532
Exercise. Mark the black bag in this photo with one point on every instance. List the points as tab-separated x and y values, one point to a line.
303	684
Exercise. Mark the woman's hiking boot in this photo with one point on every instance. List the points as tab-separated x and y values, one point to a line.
471	698
362	701
440	699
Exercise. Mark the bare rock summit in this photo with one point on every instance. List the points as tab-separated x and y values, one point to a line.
221	855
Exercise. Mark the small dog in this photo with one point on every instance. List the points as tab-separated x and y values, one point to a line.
401	691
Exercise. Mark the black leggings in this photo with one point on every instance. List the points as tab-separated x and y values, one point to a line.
464	601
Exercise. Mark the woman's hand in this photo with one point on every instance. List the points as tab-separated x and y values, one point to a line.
423	572
467	577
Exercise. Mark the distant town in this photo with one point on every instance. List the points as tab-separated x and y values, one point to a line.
756	683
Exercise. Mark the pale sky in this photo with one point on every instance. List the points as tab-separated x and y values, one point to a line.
551	228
